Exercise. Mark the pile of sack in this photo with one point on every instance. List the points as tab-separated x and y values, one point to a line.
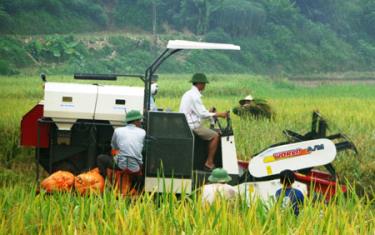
64	181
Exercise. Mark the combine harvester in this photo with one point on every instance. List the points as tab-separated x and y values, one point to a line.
74	124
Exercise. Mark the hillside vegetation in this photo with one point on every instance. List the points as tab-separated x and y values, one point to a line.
276	36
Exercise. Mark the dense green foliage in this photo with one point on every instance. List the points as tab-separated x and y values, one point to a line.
276	36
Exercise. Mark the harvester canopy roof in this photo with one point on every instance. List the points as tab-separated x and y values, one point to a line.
182	44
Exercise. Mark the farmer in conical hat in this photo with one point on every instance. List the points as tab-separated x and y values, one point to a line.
218	187
253	108
246	101
192	106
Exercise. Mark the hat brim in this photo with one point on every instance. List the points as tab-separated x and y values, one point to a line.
242	102
219	180
133	118
191	81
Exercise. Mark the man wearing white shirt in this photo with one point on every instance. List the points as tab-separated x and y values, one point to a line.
192	106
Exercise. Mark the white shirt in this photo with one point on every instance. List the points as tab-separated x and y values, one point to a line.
153	106
191	105
211	191
129	141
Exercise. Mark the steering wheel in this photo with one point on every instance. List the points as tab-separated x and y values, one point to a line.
227	130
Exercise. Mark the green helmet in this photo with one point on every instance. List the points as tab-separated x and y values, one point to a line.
199	77
133	115
219	175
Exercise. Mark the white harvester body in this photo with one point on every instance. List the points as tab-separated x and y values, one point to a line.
114	101
229	153
67	102
272	161
295	156
265	190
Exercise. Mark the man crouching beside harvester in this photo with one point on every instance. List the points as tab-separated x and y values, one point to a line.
218	187
128	141
192	106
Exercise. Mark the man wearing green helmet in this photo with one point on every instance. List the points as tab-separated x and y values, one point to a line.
192	106
128	143
218	187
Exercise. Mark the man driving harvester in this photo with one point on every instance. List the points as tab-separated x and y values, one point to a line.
192	106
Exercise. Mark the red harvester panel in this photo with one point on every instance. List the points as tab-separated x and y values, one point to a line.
322	183
29	128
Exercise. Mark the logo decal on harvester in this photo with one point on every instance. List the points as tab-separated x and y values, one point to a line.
293	153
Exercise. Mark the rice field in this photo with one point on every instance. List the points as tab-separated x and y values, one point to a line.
25	213
350	109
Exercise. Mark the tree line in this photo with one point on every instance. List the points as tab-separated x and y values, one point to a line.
277	34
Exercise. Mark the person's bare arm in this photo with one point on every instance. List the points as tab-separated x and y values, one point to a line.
221	114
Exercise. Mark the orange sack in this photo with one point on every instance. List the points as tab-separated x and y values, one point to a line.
60	181
88	182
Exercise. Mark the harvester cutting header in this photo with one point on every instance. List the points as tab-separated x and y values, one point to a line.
75	122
